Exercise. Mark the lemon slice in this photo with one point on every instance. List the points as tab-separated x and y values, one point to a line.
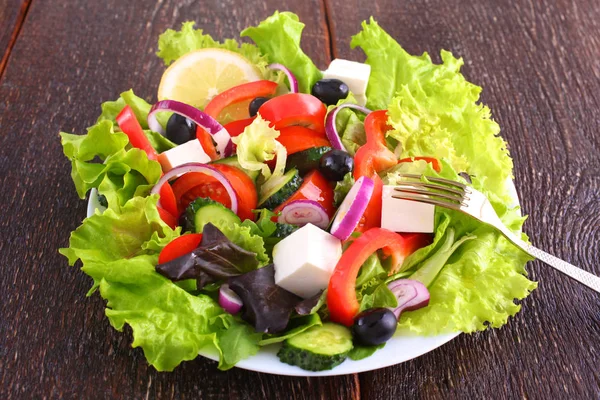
199	76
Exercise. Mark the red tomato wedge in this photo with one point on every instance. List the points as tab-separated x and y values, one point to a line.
239	93
299	138
181	246
243	187
295	109
132	128
168	200
167	217
315	187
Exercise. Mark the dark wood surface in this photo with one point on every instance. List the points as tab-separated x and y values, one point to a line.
538	64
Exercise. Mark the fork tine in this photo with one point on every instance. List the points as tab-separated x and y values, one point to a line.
441	188
429	193
439	180
428	200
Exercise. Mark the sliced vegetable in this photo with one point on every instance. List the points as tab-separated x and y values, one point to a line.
288	184
244	188
235	128
211	171
233	161
292	81
295	109
180	246
167	199
299	138
411	295
167	217
330	127
314	187
230	301
203	211
352	208
131	127
306	160
236	94
435	163
203	120
341	294
196	184
302	212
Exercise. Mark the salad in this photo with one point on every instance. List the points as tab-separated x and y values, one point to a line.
251	205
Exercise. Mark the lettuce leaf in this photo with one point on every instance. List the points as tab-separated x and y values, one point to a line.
279	38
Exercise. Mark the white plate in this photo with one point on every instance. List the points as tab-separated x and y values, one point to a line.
398	349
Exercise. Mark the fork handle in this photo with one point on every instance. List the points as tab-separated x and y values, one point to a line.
580	275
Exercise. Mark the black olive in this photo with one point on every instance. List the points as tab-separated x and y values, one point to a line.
330	91
255	105
335	164
180	129
374	326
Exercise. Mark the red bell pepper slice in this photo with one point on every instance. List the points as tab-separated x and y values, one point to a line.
239	93
299	138
314	187
430	160
181	246
341	293
295	109
236	128
132	128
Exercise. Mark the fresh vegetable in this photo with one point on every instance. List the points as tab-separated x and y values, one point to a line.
233	161
302	212
299	138
180	129
295	109
341	296
180	246
374	326
203	120
314	187
292	81
434	161
167	217
168	200
132	128
331	123
243	186
288	184
267	307
236	128
230	301
306	160
352	208
335	164
255	105
411	295
238	94
330	91
203	211
318	348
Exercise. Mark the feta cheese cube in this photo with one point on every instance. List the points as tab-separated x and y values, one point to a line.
404	215
305	260
191	151
353	74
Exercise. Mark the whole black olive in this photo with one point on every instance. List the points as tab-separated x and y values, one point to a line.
180	129
335	164
255	105
374	326
330	91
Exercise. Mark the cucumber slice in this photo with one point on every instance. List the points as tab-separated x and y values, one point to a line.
288	184
203	210
233	161
306	160
318	348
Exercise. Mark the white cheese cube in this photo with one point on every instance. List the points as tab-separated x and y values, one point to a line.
191	151
353	74
404	215
305	260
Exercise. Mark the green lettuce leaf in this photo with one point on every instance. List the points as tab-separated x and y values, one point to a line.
360	352
279	38
342	188
174	44
246	239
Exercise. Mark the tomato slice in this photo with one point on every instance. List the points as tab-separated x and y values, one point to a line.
167	217
239	93
132	128
243	187
168	200
430	160
315	187
236	128
295	109
181	246
299	138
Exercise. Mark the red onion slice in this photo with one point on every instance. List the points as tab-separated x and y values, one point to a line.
229	300
352	208
411	295
291	78
198	167
331	130
208	123
302	212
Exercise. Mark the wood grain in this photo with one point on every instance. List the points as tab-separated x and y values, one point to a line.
538	65
12	15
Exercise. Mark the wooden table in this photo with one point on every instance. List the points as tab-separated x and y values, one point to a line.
539	64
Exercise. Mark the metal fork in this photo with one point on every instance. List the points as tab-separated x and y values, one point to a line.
460	197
